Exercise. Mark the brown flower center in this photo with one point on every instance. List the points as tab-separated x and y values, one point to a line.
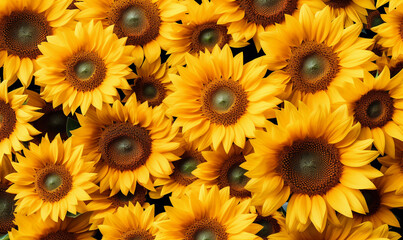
137	234
338	3
208	35
60	235
7	206
124	146
85	71
267	12
135	19
373	200
231	174
310	166
121	200
224	102
53	183
22	31
312	67
270	226
374	109
149	89
8	120
182	173
205	229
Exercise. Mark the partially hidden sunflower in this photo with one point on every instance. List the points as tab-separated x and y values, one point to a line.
78	68
394	65
219	100
390	32
315	53
272	224
129	144
103	204
347	230
247	19
24	24
356	11
7	201
197	31
52	179
313	157
223	169
15	118
34	228
143	22
392	168
208	214
130	222
151	83
376	103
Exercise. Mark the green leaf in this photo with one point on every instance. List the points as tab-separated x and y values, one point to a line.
4	237
71	124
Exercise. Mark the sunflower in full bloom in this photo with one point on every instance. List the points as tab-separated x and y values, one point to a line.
52	179
208	214
376	103
182	178
130	222
198	30
129	144
219	100
79	70
15	118
223	169
151	83
390	32
103	204
313	158
379	203
7	202
271	224
247	19
347	230
355	10
315	54
24	24
34	228
143	22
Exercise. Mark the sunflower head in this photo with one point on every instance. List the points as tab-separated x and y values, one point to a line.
79	70
49	177
224	98
24	24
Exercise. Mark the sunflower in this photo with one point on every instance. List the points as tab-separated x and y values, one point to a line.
24	24
355	10
225	99
347	230
223	169
129	144
103	204
34	228
130	222
315	53
7	203
208	214
392	3
376	104
198	30
394	65
390	33
247	19
151	83
393	170
143	22
314	156
52	179
14	120
379	203
182	178
78	68
271	224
